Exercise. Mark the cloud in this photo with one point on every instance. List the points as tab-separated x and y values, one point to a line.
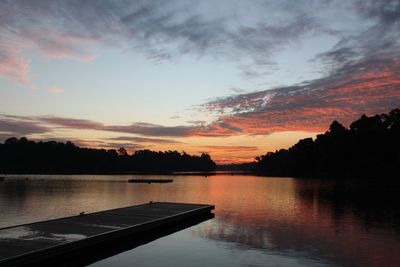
70	122
160	30
56	90
238	90
249	36
20	127
229	148
46	27
12	64
144	140
378	38
387	12
148	129
215	129
371	87
175	117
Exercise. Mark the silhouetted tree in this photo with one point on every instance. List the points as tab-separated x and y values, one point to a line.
337	129
370	148
24	156
122	152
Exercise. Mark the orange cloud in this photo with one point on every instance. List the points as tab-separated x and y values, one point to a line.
370	88
226	154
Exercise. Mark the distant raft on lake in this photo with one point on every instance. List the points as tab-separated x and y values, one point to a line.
149	181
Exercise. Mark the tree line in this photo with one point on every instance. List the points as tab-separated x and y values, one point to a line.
369	148
26	156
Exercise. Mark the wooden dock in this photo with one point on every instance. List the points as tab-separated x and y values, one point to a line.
53	240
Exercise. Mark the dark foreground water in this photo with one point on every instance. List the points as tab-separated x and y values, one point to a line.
258	221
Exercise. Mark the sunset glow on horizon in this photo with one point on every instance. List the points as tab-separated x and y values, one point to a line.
234	79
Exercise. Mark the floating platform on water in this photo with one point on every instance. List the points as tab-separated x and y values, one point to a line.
150	181
54	241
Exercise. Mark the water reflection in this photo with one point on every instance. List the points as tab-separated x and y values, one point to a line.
344	223
282	221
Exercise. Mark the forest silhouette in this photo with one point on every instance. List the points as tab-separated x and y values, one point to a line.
370	148
23	156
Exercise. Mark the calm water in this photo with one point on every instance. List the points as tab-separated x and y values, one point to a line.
258	221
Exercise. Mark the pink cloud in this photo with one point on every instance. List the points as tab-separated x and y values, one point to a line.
13	65
370	88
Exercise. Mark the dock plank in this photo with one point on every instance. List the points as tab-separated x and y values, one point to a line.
35	242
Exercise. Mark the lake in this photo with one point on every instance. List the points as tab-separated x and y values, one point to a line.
259	221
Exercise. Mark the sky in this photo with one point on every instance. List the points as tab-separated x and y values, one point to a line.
234	79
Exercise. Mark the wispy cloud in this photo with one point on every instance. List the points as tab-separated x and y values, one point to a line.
371	87
214	129
234	30
69	122
229	148
56	90
20	127
377	39
249	36
148	129
45	124
217	128
144	140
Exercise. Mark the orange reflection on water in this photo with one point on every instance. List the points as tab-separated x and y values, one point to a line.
337	223
289	215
